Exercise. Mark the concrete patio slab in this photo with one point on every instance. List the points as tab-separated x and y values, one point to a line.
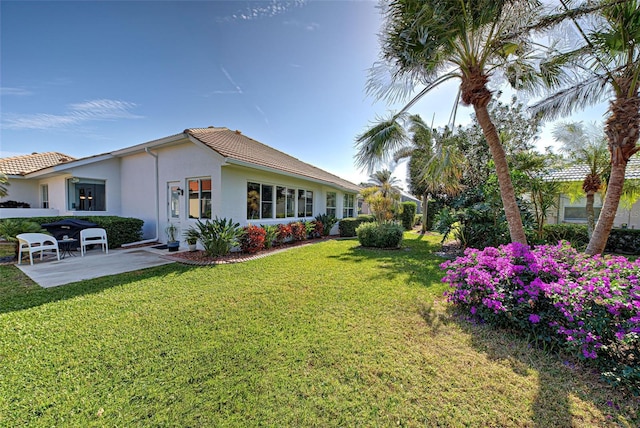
95	264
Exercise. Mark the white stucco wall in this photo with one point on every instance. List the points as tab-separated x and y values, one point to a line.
178	164
107	170
630	217
22	190
138	191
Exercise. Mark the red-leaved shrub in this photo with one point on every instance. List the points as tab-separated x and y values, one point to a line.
283	234
298	231
252	240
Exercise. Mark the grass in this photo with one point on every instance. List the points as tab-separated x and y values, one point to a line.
323	335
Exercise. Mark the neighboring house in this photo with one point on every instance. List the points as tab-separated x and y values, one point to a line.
200	173
29	191
568	211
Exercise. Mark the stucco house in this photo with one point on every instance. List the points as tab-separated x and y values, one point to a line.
199	173
573	211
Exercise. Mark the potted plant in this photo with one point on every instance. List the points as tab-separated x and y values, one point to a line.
172	233
191	236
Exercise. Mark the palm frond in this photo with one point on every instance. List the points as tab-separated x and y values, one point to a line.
375	146
565	101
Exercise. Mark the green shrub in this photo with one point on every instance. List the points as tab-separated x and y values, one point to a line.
576	234
408	214
218	236
417	220
625	241
348	226
380	235
11	227
271	233
120	230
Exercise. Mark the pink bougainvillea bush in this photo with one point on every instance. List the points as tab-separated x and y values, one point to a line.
589	306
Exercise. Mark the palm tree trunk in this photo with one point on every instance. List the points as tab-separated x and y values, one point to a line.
591	216
623	131
507	193
425	206
598	240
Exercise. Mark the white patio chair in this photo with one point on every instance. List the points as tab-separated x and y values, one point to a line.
91	236
36	242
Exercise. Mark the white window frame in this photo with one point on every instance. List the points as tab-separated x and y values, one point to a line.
332	209
202	201
44	195
348	206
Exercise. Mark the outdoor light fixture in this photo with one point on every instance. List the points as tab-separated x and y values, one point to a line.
179	191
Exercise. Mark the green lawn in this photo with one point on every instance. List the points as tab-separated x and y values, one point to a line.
323	335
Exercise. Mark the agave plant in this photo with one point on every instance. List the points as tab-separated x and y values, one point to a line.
218	236
10	228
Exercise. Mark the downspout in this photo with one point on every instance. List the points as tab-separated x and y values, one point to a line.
155	239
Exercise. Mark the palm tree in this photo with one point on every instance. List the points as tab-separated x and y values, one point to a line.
586	146
382	194
385	182
605	65
431	42
435	165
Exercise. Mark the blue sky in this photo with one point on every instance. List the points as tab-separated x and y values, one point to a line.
84	77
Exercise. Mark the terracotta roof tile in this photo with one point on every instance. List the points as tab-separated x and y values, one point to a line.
21	165
234	145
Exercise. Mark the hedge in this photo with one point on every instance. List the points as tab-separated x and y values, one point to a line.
348	226
120	230
622	241
385	235
408	214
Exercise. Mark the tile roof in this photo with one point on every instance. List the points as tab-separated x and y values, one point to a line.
233	145
579	172
22	165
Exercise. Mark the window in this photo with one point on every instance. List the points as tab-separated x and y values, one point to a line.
267	201
174	200
44	196
86	194
259	201
199	197
285	202
347	207
331	204
305	203
253	201
579	214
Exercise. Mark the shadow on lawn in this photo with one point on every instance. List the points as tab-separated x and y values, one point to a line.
559	377
415	259
18	292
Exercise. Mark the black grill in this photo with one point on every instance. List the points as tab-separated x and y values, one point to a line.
68	227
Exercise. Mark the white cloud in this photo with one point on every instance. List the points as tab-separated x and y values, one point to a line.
94	110
264	9
238	89
14	91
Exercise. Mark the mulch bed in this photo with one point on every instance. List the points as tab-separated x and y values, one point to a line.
199	258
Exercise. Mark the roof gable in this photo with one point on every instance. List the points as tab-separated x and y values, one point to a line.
233	145
22	165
